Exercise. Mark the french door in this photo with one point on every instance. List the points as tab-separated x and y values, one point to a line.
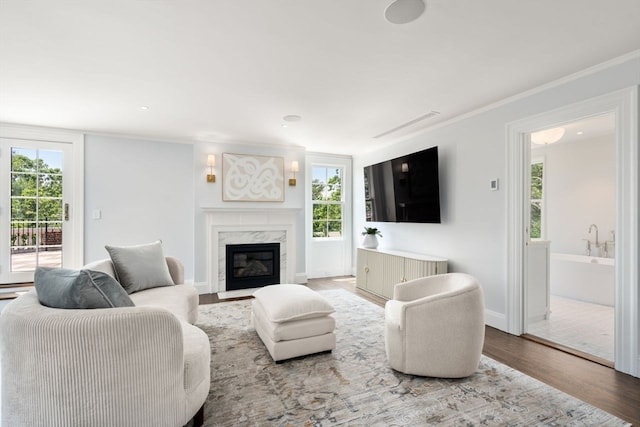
36	199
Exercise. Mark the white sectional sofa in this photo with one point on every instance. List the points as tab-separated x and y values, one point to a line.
145	365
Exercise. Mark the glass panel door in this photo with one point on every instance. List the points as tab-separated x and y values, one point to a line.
328	216
38	213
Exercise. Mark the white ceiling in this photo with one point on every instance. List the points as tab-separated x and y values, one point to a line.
229	70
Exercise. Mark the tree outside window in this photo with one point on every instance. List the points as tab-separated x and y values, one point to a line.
36	199
326	196
537	174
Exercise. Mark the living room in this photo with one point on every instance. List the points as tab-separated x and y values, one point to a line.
141	173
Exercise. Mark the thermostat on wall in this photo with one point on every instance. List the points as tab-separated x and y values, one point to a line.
493	184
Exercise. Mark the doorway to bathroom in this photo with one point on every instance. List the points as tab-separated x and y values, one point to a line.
571	251
624	104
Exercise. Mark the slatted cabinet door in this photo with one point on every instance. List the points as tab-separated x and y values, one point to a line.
379	271
416	268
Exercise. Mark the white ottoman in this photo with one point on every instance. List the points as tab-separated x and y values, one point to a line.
292	321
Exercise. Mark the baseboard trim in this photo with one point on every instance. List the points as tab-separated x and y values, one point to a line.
203	288
495	320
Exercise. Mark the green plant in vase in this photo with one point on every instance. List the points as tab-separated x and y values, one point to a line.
370	237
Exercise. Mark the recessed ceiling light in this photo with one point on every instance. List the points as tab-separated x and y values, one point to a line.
292	118
579	133
284	125
404	11
144	107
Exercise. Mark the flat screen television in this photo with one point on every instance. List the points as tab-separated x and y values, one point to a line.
405	189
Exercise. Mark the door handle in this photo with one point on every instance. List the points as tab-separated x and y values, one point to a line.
66	211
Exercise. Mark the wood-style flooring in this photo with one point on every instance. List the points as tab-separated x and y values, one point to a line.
601	386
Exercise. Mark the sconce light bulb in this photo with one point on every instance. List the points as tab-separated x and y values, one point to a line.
211	161
295	167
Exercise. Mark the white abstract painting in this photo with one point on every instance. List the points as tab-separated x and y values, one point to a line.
252	178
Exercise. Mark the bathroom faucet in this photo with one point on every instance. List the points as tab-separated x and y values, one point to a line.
596	227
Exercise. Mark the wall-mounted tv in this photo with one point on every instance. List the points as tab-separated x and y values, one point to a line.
405	189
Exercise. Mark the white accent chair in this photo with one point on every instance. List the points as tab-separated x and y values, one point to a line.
434	326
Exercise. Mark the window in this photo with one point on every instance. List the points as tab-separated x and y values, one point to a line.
537	197
327	201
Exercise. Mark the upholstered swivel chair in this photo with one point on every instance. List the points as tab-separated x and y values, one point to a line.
434	326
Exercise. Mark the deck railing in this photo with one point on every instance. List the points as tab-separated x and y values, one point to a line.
25	238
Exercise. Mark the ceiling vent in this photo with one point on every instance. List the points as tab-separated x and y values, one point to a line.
430	114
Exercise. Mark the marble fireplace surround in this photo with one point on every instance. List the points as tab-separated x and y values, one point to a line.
248	225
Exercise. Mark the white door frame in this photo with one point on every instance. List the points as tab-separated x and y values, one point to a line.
76	140
624	104
345	242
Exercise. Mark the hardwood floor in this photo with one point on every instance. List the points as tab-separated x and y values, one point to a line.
601	386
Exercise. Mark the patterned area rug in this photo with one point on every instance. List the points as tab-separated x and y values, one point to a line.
354	386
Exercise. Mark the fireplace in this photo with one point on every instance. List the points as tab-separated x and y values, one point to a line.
252	265
235	226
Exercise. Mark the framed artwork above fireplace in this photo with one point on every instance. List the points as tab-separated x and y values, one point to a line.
247	178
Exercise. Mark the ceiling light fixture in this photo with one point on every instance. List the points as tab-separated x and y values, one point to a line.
292	118
404	11
548	136
144	107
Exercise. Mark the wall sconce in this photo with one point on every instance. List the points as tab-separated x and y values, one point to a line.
294	168
211	162
405	167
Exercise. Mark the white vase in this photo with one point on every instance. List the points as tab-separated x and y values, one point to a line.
370	241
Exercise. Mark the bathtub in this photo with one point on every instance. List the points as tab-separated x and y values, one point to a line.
582	277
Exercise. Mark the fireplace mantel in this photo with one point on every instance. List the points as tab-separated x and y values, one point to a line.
249	225
250	210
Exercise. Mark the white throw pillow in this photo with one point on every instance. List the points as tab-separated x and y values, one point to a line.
284	303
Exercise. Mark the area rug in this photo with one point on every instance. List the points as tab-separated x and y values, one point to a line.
354	386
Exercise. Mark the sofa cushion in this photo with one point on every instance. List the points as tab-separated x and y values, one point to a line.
284	303
197	365
73	289
140	267
181	300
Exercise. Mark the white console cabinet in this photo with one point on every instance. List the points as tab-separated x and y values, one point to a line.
380	270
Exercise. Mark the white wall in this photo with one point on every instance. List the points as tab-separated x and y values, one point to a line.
472	151
148	190
579	191
209	195
144	190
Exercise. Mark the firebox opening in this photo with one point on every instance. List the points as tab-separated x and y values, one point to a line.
252	265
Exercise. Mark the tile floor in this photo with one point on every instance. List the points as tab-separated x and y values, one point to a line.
580	325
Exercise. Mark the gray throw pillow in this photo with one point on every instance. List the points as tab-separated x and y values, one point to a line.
140	267
63	288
